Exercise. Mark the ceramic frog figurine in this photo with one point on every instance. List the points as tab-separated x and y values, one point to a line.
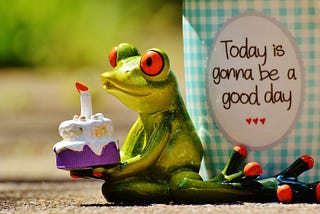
161	156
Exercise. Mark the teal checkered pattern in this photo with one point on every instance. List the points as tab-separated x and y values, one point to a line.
201	21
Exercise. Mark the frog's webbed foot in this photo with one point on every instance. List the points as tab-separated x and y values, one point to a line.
230	185
231	171
285	186
246	184
290	190
232	174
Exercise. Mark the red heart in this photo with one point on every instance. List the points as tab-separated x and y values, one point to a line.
262	120
255	120
248	120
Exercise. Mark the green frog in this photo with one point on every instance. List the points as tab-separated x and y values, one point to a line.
161	156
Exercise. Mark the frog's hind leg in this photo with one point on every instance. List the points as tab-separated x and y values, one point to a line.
231	185
291	189
135	190
186	189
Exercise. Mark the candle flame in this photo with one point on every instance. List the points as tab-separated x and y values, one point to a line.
81	87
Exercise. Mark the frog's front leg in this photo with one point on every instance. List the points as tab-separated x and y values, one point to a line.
143	162
138	153
130	151
134	181
134	142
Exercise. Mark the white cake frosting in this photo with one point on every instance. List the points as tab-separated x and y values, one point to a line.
95	132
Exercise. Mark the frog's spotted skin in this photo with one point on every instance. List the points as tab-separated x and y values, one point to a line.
161	155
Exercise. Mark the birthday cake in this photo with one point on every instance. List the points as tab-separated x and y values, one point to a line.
87	139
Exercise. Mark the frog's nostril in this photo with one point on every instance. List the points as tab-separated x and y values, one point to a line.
107	85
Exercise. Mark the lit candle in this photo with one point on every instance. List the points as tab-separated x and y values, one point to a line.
85	100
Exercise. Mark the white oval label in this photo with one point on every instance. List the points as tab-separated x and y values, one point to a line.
255	81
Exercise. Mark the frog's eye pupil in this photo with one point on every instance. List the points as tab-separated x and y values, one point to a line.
113	57
152	63
149	62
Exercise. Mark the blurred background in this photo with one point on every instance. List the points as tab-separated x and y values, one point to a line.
45	47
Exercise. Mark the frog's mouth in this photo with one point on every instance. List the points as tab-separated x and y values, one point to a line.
109	86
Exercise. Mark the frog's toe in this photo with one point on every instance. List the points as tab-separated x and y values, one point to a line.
100	172
294	191
252	169
284	193
74	176
237	156
302	164
241	150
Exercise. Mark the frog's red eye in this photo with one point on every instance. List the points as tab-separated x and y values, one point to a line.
152	63
113	57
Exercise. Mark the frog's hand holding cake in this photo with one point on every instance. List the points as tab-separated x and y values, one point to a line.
87	139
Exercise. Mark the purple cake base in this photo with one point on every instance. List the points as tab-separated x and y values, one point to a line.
69	159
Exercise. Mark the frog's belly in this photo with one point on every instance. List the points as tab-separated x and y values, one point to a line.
181	156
